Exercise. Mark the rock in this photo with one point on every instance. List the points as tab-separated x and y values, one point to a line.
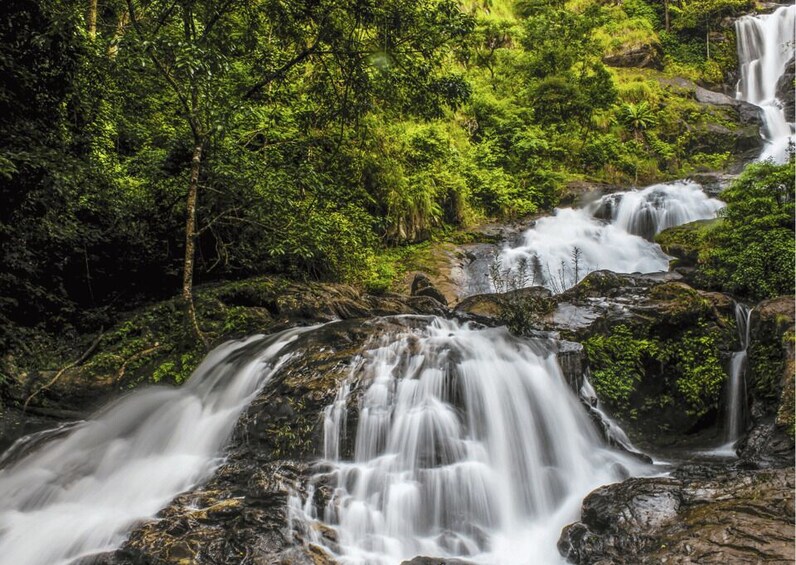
770	382
698	515
573	361
650	314
422	286
713	183
748	114
715	138
786	92
490	309
643	56
717	98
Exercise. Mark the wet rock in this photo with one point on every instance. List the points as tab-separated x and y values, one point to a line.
572	360
700	515
646	315
422	286
786	92
770	382
491	309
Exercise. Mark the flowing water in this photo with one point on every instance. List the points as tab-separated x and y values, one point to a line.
81	490
765	46
736	397
468	443
613	233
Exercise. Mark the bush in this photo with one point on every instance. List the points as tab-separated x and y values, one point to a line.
751	251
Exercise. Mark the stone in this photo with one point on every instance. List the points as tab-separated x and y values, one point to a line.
786	91
422	286
697	515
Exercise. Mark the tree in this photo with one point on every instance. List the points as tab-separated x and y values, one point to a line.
220	58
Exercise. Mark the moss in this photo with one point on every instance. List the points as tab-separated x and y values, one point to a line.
667	378
786	415
696	357
682	304
766	366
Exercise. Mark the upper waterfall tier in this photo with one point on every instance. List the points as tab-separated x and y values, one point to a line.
613	233
766	45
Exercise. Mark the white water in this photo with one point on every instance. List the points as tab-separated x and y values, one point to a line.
610	234
469	443
734	420
765	45
80	493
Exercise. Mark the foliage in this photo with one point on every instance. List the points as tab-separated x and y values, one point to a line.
617	362
333	132
751	251
681	367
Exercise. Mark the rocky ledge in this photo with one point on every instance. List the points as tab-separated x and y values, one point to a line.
697	515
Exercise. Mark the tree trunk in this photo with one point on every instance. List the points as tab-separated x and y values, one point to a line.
92	19
667	22
190	244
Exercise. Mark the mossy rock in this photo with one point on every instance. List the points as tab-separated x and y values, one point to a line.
685	242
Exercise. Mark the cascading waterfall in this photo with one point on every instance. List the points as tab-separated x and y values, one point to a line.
766	44
78	494
736	397
468	443
613	233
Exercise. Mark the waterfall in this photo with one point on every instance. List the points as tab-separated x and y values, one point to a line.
613	233
468	443
765	47
80	491
736	397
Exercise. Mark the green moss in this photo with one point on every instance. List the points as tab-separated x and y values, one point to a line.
639	374
766	367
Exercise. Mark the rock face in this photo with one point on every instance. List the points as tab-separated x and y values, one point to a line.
748	114
698	515
785	91
770	382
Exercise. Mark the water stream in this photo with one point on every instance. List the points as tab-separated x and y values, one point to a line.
736	386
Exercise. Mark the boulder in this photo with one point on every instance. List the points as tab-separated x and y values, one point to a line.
697	515
422	286
748	114
786	92
638	332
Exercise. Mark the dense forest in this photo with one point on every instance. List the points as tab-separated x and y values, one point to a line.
151	145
